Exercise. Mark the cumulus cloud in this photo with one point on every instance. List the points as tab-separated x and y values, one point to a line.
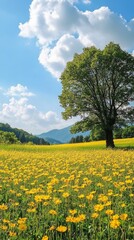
61	29
19	90
54	60
20	113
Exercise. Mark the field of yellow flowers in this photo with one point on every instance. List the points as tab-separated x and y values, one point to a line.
66	193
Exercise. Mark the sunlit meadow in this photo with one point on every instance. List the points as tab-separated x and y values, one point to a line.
67	192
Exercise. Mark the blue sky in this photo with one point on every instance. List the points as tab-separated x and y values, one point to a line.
37	38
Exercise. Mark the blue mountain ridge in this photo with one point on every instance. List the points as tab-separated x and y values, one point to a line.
62	135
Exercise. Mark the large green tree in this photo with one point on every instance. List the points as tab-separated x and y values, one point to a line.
98	86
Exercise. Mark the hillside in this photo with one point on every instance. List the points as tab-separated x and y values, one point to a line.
23	136
63	135
52	141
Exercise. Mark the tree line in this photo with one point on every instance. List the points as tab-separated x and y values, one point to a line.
98	134
15	135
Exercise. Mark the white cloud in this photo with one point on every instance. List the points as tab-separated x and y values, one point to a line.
19	90
54	60
87	1
62	29
20	113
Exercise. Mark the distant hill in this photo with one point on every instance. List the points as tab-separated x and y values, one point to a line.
51	140
23	136
63	135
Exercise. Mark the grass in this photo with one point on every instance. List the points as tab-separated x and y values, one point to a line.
125	144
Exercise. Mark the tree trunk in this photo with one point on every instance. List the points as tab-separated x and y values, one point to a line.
109	138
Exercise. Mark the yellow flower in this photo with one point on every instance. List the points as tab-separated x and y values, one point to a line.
94	215
70	219
129	181
53	212
15	204
109	212
22	227
114	223
22	220
73	212
12	225
89	197
103	198
57	201
123	216
99	185
6	221
82	205
31	210
12	234
65	194
81	196
3	207
45	237
77	219
132	227
46	203
61	229
123	205
115	217
98	207
81	217
108	203
52	228
4	227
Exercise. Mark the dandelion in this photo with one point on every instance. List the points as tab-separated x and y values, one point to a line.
98	207
94	215
73	212
109	212
123	205
45	237
103	198
65	194
57	201
31	210
81	196
6	221
53	212
4	227
12	234
52	228
108	203
61	229
89	197
114	223
81	217
22	227
115	217
3	207
124	216
12	225
22	220
129	181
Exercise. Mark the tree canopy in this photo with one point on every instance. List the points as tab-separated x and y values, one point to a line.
8	138
23	136
98	86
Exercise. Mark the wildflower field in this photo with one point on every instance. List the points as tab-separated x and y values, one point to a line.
67	192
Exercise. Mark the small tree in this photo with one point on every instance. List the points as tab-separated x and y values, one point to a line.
128	132
8	138
98	85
